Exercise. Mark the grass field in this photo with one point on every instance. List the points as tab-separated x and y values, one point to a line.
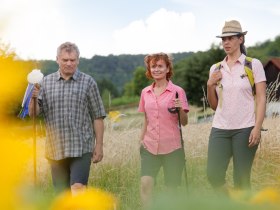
118	173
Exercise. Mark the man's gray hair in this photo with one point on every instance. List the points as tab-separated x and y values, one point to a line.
68	47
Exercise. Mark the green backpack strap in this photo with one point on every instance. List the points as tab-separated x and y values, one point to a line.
220	86
249	72
218	66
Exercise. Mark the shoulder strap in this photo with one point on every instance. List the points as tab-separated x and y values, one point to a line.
220	86
218	66
249	71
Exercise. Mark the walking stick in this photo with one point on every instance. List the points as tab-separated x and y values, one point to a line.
35	77
174	110
183	147
34	139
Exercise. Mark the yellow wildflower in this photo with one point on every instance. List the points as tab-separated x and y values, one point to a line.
90	199
267	195
114	116
14	157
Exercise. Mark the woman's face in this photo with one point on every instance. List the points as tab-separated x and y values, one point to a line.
158	69
231	44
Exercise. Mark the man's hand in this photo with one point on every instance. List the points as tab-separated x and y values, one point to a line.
97	154
36	91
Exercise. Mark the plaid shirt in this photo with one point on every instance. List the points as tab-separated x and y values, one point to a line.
69	108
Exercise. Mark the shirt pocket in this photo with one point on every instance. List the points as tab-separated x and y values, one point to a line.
77	100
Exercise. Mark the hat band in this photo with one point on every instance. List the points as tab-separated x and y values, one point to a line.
229	32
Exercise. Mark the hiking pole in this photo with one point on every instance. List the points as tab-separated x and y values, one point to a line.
34	139
34	77
182	143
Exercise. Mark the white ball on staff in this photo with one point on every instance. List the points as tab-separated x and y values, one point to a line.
35	76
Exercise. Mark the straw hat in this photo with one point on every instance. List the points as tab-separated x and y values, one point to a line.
231	28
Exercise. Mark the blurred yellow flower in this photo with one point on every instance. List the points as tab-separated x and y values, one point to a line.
90	199
115	116
14	157
266	196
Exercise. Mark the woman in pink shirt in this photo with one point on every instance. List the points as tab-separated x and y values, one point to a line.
160	137
239	113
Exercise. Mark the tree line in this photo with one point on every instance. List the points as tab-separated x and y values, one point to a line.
192	72
111	72
124	75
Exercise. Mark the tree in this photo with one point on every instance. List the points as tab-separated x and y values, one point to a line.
106	98
139	80
129	89
105	84
193	72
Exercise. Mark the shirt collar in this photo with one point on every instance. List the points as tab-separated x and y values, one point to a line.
169	86
74	77
241	59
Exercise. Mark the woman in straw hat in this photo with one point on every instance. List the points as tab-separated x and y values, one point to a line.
236	128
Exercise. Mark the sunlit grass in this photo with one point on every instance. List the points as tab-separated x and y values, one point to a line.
118	175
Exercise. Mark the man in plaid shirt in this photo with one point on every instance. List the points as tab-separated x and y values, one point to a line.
71	105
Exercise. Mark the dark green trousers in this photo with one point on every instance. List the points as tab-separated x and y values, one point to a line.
224	145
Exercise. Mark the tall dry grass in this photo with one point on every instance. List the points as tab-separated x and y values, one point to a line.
118	173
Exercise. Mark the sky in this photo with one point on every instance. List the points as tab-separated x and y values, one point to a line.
35	28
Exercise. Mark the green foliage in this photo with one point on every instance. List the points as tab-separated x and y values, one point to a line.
116	69
125	100
140	80
183	201
264	51
129	89
125	74
106	98
274	48
192	73
105	84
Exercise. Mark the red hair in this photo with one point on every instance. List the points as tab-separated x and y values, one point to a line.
153	58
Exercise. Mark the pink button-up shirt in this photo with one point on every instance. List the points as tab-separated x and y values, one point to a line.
238	106
162	135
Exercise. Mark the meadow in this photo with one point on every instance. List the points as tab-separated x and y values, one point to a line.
118	173
117	176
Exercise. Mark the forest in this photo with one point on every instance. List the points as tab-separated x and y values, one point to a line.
123	75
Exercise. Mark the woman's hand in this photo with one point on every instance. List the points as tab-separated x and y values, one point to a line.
255	137
215	77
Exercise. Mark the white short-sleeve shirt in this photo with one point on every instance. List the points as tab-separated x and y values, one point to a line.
238	105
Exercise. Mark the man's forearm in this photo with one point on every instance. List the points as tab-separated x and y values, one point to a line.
98	126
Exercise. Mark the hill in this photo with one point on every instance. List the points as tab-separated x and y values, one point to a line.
115	69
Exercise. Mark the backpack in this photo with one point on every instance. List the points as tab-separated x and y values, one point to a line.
248	73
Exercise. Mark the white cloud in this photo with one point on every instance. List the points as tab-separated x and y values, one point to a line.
162	31
33	27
